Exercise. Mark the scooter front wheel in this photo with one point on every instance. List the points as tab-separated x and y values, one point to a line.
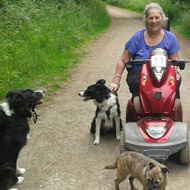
184	156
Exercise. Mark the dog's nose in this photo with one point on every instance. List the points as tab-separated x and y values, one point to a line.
81	93
41	91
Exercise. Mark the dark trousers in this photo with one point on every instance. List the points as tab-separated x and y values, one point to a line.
133	83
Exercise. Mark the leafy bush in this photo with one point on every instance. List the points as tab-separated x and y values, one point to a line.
185	28
174	9
41	40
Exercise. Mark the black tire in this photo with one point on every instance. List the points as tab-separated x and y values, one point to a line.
184	154
122	143
126	116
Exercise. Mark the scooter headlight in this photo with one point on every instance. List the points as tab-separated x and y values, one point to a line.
156	132
158	66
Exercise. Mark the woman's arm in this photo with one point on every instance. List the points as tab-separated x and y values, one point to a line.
126	56
174	56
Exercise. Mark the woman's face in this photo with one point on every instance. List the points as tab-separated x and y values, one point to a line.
154	21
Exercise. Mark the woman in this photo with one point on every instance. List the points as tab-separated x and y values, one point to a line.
142	43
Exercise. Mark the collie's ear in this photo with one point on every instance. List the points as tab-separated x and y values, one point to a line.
14	99
101	81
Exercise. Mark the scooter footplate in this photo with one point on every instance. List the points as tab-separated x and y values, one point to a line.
158	154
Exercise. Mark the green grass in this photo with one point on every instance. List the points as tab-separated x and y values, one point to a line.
178	11
41	40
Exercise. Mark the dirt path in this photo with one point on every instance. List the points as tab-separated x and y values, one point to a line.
60	153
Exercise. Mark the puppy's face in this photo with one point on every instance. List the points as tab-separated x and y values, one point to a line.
156	177
97	91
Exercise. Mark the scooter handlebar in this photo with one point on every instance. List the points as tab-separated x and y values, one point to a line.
135	62
179	63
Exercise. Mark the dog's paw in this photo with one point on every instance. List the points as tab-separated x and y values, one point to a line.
97	141
118	137
21	171
20	180
12	189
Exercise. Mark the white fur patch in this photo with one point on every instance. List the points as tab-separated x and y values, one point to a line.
41	91
21	171
5	108
20	180
81	93
28	136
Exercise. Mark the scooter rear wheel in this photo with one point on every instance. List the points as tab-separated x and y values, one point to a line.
122	143
184	156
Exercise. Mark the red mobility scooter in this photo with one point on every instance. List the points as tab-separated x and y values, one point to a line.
154	124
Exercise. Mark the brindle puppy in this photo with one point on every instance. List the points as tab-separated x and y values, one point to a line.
149	172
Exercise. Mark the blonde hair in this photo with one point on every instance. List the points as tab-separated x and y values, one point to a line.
153	6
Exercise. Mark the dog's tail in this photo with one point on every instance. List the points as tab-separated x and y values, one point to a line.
112	166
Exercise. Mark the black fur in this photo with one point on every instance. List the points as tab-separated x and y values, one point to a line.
13	131
98	91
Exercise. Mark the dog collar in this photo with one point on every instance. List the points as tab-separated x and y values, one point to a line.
108	111
35	116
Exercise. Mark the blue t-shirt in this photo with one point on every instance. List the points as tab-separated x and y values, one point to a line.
139	50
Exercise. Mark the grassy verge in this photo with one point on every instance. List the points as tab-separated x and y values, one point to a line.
178	11
41	40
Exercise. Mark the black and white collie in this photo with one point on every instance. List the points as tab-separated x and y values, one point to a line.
107	111
14	128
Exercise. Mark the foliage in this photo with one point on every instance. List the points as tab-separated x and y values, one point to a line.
174	9
41	40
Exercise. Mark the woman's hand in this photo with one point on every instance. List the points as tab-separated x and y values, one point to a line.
114	86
